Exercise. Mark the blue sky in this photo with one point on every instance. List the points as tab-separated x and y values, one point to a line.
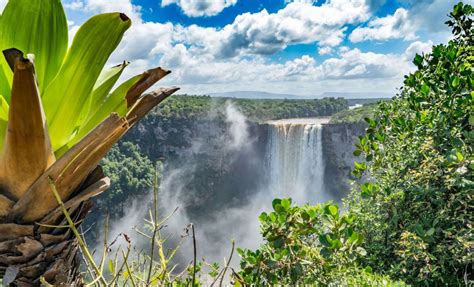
301	47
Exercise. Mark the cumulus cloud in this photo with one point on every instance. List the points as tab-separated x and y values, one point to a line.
303	1
396	26
354	63
324	50
417	47
265	33
198	8
212	59
347	64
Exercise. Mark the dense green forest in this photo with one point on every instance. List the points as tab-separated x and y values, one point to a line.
411	224
356	115
198	107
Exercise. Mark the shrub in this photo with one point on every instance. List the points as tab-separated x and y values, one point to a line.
417	214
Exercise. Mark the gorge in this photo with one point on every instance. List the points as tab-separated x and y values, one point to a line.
223	168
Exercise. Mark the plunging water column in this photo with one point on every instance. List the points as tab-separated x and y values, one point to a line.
295	159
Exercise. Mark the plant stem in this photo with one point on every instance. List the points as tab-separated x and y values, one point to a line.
195	255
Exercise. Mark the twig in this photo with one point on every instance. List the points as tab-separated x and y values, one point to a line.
104	252
228	263
130	275
76	232
226	266
195	255
155	227
119	271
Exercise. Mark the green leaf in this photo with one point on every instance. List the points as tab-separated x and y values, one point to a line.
5	85
276	202
430	232
103	86
323	239
332	210
3	109
70	90
115	102
418	60
111	266
326	252
360	165
455	82
252	260
279	242
3	119
425	89
35	27
286	203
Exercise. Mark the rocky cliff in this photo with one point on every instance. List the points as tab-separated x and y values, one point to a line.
338	147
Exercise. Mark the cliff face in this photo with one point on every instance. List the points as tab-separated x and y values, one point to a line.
213	173
338	147
203	161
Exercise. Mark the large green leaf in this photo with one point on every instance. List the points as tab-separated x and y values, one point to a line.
70	90
115	102
5	88
104	85
36	27
119	101
3	119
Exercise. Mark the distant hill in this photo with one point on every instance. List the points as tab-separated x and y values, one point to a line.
258	95
266	95
357	95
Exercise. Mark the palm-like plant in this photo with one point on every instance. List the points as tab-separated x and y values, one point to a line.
59	115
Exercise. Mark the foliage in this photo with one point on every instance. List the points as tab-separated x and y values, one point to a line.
417	213
356	115
76	91
131	174
307	245
198	107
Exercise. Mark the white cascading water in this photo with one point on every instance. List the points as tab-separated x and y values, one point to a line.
295	159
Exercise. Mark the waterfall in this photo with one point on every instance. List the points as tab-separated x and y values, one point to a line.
295	159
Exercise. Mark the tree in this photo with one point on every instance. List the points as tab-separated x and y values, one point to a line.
417	212
59	115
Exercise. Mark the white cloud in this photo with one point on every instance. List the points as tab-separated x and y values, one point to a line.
208	59
74	5
396	26
302	1
3	3
353	64
198	8
191	68
324	50
249	35
266	33
417	47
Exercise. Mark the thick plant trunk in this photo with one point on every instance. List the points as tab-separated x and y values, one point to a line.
29	252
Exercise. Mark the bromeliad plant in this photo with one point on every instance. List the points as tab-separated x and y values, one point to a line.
59	115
